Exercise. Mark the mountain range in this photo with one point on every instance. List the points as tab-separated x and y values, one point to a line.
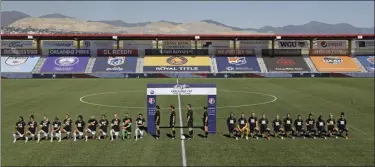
62	22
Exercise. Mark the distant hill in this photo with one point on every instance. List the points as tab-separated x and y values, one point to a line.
52	21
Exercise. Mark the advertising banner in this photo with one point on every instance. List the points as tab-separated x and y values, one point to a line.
211	111
57	44
137	44
292	44
216	44
93	45
18	52
281	52
235	52
253	44
330	44
18	64
117	52
65	64
115	64
176	44
18	44
177	63
367	62
285	63
330	52
176	51
334	64
237	64
365	44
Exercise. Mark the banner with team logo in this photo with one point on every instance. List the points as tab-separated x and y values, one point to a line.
115	64
66	61
18	44
46	45
243	64
330	44
18	64
335	64
285	63
292	44
176	44
367	62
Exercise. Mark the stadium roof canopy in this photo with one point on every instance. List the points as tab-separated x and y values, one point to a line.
183	36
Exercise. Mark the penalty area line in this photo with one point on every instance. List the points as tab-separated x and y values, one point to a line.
183	153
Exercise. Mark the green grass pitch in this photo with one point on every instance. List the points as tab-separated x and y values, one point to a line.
355	97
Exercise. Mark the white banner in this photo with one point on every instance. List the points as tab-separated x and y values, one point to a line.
18	44
185	91
292	44
177	44
253	44
330	44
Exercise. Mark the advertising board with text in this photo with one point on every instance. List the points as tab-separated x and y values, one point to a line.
292	44
330	44
334	64
195	52
46	45
176	44
117	52
285	63
216	44
18	44
66	61
18	64
177	64
243	64
93	45
115	64
253	44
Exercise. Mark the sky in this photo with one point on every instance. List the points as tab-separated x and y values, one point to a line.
241	14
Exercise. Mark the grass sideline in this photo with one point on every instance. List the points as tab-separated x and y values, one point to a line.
355	97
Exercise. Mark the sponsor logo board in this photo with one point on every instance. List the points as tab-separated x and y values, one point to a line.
57	44
252	44
367	62
177	44
18	52
177	63
115	64
292	44
176	51
334	64
235	52
65	64
18	44
365	44
137	44
330	44
93	45
216	44
117	52
284	63
18	64
330	52
237	64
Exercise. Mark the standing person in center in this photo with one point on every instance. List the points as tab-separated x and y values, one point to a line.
172	120
205	122
157	122
189	122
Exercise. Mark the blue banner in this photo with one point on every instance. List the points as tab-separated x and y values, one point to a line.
367	62
151	109
18	64
211	109
237	64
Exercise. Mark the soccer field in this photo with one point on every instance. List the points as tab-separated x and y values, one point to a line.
57	97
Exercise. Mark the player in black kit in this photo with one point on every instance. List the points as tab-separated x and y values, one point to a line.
127	127
253	122
231	123
103	127
310	126
157	122
331	123
140	122
115	127
20	129
243	126
189	122
277	127
56	129
264	130
172	120
32	127
80	127
45	128
91	128
205	122
321	127
341	124
298	125
67	126
288	122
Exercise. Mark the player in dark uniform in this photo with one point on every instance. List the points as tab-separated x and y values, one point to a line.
341	124
231	123
126	127
310	126
263	124
243	126
321	127
20	129
205	122
298	125
32	128
56	129
115	127
45	128
67	126
80	128
331	123
253	122
103	127
189	119
172	120
157	122
277	127
91	128
288	123
140	122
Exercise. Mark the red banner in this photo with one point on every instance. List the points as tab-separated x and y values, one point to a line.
117	52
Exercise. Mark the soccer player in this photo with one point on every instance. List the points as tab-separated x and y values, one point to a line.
189	121
56	129
288	122
264	130
298	125
45	128
310	126
91	128
67	126
331	126
20	129
243	126
115	127
32	127
103	127
277	127
253	122
320	126
80	127
205	122
140	122
157	122
126	127
341	124
231	123
172	120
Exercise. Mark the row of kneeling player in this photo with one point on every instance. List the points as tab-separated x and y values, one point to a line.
287	127
95	129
